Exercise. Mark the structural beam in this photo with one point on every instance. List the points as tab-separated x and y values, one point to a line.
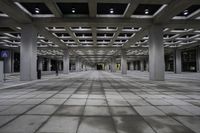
53	8
171	10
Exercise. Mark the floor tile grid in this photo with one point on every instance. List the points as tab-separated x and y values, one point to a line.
110	81
113	122
27	110
172	117
58	107
82	116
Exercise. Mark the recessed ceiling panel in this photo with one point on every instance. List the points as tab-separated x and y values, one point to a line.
147	9
111	8
36	8
73	8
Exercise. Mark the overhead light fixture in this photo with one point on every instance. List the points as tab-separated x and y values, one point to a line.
111	10
73	10
146	11
185	13
37	10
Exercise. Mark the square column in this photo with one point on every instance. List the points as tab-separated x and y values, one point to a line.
156	53
28	53
78	65
136	65
60	65
113	62
198	59
8	63
12	61
49	65
1	71
142	65
131	66
40	63
123	62
147	65
66	62
177	61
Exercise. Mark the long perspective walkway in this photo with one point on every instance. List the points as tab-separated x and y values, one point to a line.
101	102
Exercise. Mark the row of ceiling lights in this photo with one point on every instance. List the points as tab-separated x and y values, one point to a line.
146	11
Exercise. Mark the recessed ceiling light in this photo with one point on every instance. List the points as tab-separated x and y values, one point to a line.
111	10
37	10
73	10
185	12
146	11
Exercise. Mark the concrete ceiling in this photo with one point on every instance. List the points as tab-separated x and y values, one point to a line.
95	30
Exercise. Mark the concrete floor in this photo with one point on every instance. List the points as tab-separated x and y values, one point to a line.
103	102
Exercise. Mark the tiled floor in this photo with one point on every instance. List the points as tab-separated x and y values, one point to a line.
102	102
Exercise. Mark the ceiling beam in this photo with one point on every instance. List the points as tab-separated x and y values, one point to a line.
138	36
119	29
94	35
8	7
131	8
72	35
53	22
53	8
172	9
92	4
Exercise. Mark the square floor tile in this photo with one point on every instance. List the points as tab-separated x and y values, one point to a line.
96	125
148	110
132	124
191	122
17	109
157	102
173	110
60	124
75	102
195	110
5	119
24	124
96	102
122	111
55	101
138	102
70	110
32	101
43	110
166	125
96	111
62	96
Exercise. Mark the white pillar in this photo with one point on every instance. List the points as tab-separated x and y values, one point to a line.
198	59
77	64
28	53
8	63
107	67
147	65
66	62
49	65
136	65
12	61
142	65
1	71
113	61
156	53
60	65
131	66
40	63
123	62
177	61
